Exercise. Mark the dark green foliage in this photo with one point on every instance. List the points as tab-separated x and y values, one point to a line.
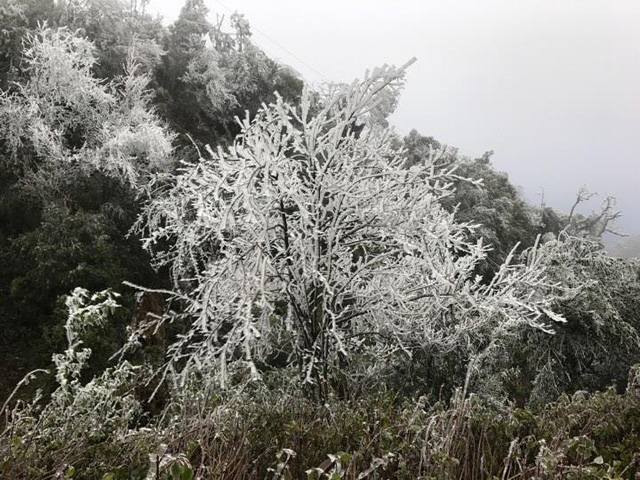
505	219
203	87
41	265
428	374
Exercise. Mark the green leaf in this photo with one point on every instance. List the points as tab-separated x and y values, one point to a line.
187	473
180	471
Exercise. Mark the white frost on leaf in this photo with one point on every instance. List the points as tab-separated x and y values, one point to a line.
308	237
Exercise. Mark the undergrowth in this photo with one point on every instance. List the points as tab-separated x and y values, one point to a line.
256	434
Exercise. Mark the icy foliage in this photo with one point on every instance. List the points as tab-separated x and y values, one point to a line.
72	123
599	342
308	240
100	408
81	317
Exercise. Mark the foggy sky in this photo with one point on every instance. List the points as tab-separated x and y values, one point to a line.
550	86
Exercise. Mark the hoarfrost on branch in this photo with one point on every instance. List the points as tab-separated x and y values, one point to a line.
308	239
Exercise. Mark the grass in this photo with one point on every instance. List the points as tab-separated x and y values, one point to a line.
264	435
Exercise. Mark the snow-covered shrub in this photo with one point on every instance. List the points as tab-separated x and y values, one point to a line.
594	348
308	243
77	412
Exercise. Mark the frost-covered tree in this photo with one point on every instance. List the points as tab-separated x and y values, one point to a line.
308	240
595	347
62	121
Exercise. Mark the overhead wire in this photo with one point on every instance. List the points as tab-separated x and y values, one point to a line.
283	48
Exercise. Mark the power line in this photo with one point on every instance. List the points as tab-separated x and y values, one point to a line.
253	27
282	47
285	49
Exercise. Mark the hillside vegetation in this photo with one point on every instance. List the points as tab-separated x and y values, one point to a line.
212	270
